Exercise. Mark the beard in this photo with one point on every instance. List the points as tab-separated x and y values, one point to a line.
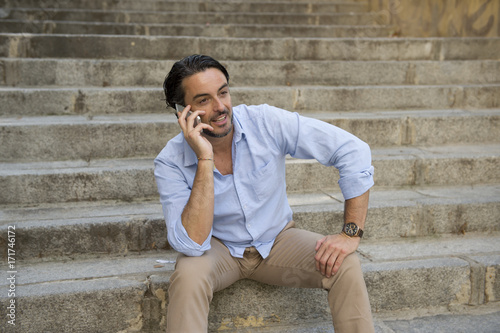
223	134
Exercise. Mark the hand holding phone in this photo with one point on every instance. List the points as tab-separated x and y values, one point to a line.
180	108
200	145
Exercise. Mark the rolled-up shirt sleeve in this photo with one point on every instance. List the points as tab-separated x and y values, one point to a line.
309	138
358	178
174	193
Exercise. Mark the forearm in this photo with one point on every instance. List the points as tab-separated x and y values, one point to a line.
197	216
356	209
332	249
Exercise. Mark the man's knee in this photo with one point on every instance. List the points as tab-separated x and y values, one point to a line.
349	272
351	263
192	274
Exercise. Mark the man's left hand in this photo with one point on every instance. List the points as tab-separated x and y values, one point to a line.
332	250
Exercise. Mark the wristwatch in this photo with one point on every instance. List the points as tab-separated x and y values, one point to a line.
352	230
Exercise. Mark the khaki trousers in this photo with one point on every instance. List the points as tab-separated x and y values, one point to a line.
290	263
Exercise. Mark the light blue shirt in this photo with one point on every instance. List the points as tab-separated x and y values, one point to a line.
251	206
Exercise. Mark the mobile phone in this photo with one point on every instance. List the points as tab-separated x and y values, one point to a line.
180	107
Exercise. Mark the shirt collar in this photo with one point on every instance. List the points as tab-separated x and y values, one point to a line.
239	133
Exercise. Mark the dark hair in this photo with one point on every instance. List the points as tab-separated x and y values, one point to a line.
172	86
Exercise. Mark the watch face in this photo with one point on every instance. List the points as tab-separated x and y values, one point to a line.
351	229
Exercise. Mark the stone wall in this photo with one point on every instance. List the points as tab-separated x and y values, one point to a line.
441	18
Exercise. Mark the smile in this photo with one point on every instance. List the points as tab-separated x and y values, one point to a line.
222	123
220	119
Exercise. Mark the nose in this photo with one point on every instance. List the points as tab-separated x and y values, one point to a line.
219	106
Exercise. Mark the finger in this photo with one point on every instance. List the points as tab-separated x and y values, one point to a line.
182	116
320	249
340	259
323	261
317	258
195	133
192	120
331	264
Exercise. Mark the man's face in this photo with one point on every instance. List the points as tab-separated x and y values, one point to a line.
209	91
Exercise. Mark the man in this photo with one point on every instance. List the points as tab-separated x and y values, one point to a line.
222	186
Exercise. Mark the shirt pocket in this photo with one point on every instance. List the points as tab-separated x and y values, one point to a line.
268	179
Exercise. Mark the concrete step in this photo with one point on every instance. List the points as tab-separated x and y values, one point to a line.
255	6
198	30
89	230
161	17
26	72
132	179
481	319
75	230
19	101
470	319
57	138
431	275
168	47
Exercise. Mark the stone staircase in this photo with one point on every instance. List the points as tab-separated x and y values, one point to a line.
82	116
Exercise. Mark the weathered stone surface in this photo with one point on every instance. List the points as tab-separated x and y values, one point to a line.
75	229
197	6
89	138
131	179
167	47
27	72
403	282
139	285
83	116
155	17
68	305
127	100
202	30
